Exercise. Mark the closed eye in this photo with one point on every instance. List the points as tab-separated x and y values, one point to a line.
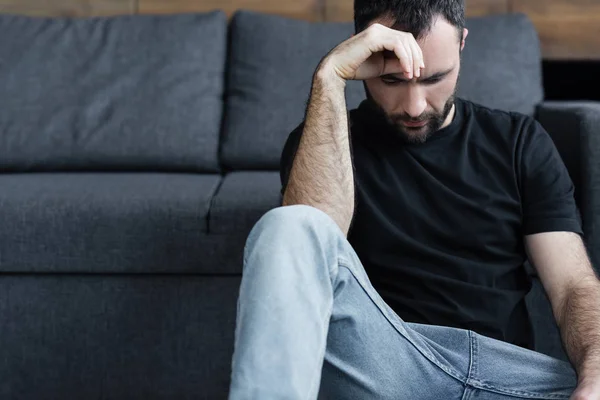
393	81
432	81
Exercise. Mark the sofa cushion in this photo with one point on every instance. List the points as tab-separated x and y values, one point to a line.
108	222
273	58
132	92
502	63
242	199
128	336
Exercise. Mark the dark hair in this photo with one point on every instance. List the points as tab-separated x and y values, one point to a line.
414	16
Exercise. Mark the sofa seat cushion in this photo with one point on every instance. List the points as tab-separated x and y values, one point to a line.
105	222
242	199
136	92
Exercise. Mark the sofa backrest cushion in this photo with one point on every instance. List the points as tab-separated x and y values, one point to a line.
271	64
128	92
502	63
272	60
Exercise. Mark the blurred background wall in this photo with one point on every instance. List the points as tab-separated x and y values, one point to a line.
569	29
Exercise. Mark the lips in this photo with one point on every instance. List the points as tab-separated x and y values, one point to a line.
417	124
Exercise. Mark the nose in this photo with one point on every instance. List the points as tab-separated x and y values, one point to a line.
415	103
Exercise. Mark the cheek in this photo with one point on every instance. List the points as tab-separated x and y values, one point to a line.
439	94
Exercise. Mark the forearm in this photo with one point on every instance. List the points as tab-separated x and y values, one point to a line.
321	175
579	322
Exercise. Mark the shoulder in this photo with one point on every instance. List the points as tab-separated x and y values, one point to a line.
499	127
506	121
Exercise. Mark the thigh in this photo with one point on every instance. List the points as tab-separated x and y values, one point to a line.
372	354
504	371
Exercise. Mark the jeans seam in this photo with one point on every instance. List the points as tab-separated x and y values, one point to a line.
451	372
475	351
465	393
491	388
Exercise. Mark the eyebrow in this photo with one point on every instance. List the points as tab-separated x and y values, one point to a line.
437	75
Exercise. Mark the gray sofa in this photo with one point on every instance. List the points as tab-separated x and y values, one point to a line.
137	152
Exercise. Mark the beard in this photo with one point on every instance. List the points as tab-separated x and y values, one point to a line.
415	135
418	135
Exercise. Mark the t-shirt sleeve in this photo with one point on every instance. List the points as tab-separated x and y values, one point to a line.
288	154
547	190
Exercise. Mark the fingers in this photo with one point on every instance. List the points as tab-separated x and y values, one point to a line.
410	60
417	58
410	55
405	57
378	38
407	50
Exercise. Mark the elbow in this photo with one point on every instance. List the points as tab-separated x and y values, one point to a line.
341	215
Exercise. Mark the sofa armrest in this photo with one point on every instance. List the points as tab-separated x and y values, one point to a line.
575	129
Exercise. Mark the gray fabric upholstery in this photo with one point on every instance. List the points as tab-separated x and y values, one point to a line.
116	336
242	199
501	63
575	128
273	59
128	92
108	222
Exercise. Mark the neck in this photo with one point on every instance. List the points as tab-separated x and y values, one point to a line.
450	116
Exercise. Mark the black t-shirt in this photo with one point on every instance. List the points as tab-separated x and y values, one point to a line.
440	226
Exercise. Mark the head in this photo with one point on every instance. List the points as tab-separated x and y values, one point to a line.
416	108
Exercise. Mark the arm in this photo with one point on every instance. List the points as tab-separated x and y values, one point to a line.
564	268
575	128
552	238
321	175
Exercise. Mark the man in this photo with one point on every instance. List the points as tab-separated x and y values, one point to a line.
441	200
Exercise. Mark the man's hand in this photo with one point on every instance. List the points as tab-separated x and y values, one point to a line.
587	390
362	56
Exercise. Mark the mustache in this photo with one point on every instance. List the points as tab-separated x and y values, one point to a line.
408	118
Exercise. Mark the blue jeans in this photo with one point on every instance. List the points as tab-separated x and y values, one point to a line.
310	325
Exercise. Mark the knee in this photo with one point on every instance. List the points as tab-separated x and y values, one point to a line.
294	222
298	215
299	234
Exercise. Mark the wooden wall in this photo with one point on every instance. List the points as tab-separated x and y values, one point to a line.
569	29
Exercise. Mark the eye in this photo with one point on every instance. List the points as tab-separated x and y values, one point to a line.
389	81
432	81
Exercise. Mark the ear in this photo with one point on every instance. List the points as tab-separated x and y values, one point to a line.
464	37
